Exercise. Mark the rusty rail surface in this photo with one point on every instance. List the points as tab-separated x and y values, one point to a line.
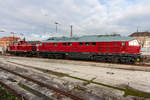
45	85
17	93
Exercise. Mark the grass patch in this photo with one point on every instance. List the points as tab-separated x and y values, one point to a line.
7	95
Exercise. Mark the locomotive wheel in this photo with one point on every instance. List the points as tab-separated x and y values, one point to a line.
110	59
131	60
99	58
50	56
123	60
115	59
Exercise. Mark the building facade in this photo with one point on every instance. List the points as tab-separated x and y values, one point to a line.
5	41
144	40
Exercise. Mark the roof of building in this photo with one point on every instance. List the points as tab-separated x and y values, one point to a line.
135	34
9	38
92	38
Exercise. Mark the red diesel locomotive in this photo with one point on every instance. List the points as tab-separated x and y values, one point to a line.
100	48
23	48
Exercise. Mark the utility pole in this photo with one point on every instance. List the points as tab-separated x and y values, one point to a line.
13	35
137	28
23	37
71	31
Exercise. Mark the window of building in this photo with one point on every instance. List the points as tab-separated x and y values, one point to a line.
81	43
70	44
87	43
64	44
93	43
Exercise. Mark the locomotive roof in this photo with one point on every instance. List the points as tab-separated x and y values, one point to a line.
89	39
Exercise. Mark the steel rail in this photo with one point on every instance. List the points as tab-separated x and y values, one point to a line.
45	85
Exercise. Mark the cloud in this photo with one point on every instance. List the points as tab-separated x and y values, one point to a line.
36	18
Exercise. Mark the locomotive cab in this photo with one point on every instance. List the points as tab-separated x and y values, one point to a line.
133	47
134	43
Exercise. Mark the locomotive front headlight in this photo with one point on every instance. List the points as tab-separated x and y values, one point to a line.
138	59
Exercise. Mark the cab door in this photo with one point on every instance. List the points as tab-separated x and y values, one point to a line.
123	47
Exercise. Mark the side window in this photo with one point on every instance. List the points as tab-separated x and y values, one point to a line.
123	43
64	44
55	44
70	44
81	43
87	43
93	43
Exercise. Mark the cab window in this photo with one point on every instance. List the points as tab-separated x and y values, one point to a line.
133	43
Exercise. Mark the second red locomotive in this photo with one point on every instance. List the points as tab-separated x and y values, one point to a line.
23	48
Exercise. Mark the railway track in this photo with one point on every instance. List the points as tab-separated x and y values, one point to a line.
28	78
32	67
93	61
139	64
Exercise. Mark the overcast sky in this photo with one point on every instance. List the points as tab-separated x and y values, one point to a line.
36	18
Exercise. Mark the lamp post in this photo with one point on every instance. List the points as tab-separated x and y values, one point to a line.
56	26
